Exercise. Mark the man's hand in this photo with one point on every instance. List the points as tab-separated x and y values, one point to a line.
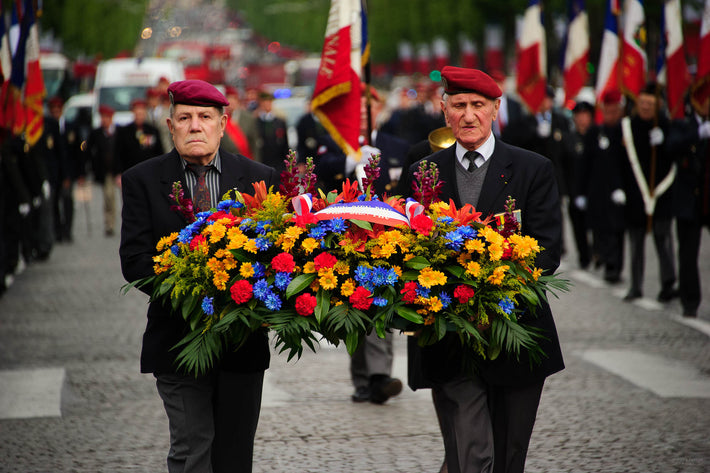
46	190
581	202
704	130
618	196
544	128
24	209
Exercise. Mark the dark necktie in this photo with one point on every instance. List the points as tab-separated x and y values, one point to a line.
472	155
200	193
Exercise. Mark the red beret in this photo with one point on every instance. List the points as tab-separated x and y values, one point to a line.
153	92
611	97
55	101
231	90
196	92
498	75
105	110
139	103
459	80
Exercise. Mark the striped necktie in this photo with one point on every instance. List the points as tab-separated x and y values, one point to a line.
200	193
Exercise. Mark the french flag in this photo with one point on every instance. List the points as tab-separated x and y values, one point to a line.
576	53
633	53
701	86
607	73
532	58
672	58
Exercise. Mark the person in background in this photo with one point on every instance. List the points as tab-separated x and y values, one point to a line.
273	137
213	416
648	180
101	148
690	141
241	135
137	141
510	110
157	109
601	192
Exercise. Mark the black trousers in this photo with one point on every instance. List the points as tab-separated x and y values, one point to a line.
578	219
212	419
689	234
663	240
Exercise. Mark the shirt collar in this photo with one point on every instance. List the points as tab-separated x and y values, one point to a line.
216	162
485	150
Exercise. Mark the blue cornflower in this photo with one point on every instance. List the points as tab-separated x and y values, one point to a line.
259	269
282	280
391	278
204	214
379	276
362	198
317	232
454	240
422	291
262	227
207	307
445	299
273	302
175	250
246	224
445	220
506	305
467	232
379	301
363	274
338	225
262	244
261	289
185	235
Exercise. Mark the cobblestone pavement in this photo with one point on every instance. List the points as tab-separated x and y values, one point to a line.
69	314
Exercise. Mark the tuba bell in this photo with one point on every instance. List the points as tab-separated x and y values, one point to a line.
441	138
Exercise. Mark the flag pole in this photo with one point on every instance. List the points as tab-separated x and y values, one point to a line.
367	74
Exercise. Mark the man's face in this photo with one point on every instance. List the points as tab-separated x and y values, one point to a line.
197	132
375	108
470	117
140	113
612	113
106	120
582	121
646	106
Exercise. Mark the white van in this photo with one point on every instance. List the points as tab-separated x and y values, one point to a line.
120	81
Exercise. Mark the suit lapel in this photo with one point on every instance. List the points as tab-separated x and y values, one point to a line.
499	173
231	177
171	171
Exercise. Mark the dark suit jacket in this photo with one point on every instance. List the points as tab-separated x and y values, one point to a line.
146	218
134	146
530	179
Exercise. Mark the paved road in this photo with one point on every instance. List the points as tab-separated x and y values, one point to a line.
635	396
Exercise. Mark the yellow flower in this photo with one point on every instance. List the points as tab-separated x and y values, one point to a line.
498	275
309	267
537	273
435	304
328	280
430	277
347	288
310	244
220	280
292	233
383	251
213	264
250	246
166	241
492	236
463	258
397	270
216	232
475	245
342	267
246	270
237	239
473	268
495	251
524	246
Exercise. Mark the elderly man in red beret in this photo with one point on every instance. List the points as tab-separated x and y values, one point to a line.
487	418
213	417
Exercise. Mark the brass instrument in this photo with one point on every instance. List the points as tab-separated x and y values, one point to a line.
441	138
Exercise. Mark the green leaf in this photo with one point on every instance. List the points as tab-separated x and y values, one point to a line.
361	223
457	271
188	303
352	340
241	256
418	262
299	283
322	305
409	314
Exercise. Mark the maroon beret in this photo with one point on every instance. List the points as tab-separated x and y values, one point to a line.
611	97
139	103
105	110
460	80
196	92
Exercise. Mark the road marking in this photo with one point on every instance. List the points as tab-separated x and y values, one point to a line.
663	376
31	393
693	322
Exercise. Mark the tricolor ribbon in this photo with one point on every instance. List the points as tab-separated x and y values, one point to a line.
302	204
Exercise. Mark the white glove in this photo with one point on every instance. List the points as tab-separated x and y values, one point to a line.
656	136
544	128
618	196
46	190
24	209
580	202
350	164
367	151
704	130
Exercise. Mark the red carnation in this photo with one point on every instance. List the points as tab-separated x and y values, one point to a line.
324	260
216	216
197	241
305	304
360	299
283	263
422	224
409	293
241	291
463	293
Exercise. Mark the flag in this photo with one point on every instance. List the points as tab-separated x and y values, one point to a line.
336	97
701	86
672	58
469	52
494	41
576	52
34	83
5	71
633	53
532	58
19	31
607	73
440	48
